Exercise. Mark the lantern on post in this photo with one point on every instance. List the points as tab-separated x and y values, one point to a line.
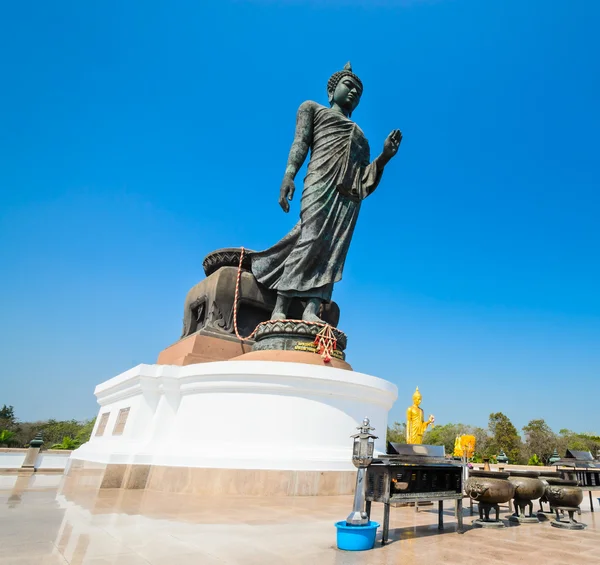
362	457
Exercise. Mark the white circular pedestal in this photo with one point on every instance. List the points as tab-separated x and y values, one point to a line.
238	415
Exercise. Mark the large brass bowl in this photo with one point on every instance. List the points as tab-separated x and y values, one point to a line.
544	476
527	485
562	492
489	487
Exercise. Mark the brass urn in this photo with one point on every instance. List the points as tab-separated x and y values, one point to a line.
489	489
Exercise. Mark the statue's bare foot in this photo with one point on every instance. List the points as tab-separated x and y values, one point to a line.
281	307
312	309
310	317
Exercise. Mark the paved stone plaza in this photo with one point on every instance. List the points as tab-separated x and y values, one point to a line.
50	523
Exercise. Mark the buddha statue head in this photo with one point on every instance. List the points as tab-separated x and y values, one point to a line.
344	89
417	397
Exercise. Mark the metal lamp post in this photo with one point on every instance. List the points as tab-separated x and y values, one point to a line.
362	457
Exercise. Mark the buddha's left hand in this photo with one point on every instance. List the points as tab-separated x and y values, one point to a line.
392	143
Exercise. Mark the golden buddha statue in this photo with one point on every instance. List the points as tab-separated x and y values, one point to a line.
464	446
458	450
415	424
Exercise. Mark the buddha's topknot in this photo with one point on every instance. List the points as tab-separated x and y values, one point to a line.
336	77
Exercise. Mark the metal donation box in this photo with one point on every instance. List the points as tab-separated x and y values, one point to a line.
413	474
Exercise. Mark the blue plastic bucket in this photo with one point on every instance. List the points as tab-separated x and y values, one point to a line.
356	538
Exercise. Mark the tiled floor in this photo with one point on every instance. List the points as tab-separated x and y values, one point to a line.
44	525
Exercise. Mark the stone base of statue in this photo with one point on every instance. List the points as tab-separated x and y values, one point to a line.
293	357
203	347
296	335
243	427
218	415
208	326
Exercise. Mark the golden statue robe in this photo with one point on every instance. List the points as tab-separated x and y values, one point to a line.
415	425
458	450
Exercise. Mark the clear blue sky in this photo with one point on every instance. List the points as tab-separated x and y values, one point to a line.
136	137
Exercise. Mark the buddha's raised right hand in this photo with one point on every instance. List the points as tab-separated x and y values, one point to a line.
286	193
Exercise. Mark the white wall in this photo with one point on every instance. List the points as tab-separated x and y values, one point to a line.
239	414
11	460
53	460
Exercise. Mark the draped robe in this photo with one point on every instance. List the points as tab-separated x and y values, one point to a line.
310	258
416	426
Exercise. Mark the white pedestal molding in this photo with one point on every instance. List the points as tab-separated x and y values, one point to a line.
236	415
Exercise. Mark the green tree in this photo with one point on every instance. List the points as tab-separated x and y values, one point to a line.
444	435
482	442
85	432
397	433
54	430
8	420
504	436
478	458
592	441
7	438
66	443
534	461
27	431
540	440
7	413
568	439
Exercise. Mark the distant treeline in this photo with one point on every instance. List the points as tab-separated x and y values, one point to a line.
535	449
67	434
501	435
